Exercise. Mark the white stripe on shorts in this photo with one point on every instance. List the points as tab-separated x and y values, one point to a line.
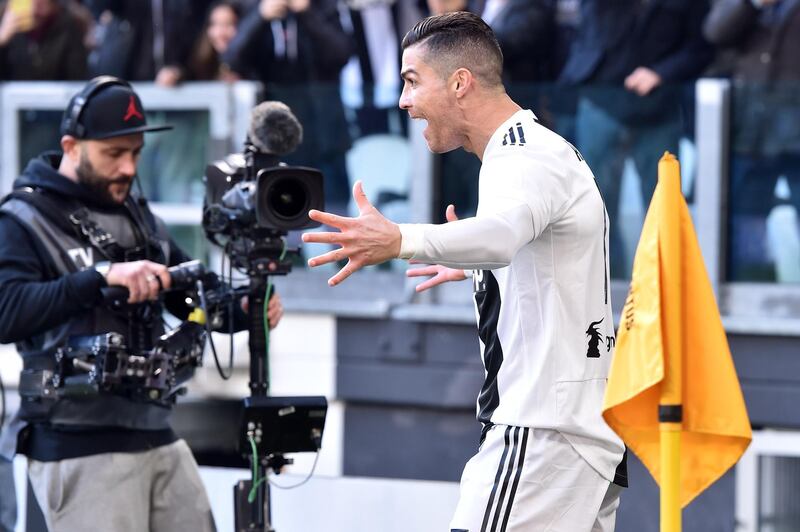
532	480
511	466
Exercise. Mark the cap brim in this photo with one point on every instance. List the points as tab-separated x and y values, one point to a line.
129	131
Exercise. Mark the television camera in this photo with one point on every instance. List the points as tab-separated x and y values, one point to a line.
252	201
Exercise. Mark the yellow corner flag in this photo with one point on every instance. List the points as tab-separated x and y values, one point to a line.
672	362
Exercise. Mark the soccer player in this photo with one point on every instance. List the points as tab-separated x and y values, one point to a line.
538	248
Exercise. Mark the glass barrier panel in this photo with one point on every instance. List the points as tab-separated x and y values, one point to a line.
173	163
764	183
38	132
778	486
192	240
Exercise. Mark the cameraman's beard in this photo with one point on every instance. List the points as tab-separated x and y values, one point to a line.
99	185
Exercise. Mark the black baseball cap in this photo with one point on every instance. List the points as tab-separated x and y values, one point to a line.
106	107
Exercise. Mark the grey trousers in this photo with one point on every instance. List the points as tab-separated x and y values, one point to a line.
8	496
151	491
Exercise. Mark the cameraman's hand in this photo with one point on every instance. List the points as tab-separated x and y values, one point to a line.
274	311
143	279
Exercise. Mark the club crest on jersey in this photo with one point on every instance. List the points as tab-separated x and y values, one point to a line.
514	138
478	281
596	338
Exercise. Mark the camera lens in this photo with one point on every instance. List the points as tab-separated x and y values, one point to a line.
288	198
285	194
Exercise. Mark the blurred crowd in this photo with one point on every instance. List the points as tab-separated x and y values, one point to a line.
336	63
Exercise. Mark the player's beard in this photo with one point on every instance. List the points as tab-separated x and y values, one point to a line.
99	185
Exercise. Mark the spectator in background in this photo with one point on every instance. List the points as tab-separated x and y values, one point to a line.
633	53
370	80
45	43
152	40
559	103
525	30
297	49
220	29
145	40
764	36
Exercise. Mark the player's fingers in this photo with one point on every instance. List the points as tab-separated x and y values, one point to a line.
323	237
450	213
344	273
327	218
422	272
430	283
326	258
361	198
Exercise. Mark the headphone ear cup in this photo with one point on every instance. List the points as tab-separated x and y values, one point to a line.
72	124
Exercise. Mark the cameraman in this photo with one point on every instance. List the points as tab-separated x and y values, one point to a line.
71	228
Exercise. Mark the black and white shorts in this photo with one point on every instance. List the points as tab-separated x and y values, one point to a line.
532	480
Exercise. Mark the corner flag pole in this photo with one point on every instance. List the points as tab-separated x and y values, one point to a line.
670	413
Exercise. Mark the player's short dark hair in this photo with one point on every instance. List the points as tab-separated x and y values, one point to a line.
459	40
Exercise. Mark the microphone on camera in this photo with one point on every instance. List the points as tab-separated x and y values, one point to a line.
274	129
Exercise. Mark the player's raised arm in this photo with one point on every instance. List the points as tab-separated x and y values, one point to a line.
370	238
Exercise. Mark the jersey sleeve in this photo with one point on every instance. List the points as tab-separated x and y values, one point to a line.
485	242
519	198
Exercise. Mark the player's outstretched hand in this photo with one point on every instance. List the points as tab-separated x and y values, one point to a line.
438	274
365	240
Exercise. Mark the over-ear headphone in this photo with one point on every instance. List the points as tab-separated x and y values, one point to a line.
71	125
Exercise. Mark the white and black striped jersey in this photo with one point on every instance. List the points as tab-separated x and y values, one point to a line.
539	248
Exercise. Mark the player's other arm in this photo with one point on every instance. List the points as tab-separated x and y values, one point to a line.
436	273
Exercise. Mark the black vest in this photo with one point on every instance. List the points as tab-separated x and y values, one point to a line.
69	252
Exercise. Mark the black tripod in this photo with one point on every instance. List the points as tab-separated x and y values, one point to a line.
264	261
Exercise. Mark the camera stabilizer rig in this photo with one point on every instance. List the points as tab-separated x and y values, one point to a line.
251	202
88	365
104	363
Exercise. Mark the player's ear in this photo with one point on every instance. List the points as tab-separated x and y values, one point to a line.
461	81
